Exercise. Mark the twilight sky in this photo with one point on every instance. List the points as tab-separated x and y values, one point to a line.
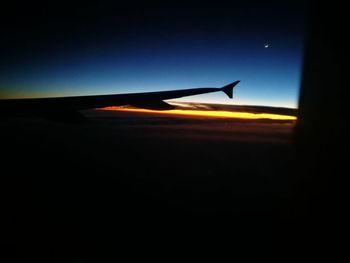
80	49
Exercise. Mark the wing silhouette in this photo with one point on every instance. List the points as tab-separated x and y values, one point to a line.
64	108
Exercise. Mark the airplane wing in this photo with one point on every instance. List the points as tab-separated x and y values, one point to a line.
68	107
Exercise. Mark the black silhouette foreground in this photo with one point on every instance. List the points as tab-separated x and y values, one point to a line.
66	108
132	176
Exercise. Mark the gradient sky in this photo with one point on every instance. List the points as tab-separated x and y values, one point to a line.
104	48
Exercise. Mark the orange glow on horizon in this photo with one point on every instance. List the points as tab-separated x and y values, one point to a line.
212	114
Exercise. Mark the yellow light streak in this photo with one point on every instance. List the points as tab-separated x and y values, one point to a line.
211	114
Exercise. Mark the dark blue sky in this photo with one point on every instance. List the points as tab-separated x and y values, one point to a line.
109	48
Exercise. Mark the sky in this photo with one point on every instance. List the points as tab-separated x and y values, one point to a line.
65	49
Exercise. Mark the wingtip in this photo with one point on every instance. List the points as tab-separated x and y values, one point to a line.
228	89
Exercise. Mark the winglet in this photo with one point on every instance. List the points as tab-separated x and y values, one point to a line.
229	88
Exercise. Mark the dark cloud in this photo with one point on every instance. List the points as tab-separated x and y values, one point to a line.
198	128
